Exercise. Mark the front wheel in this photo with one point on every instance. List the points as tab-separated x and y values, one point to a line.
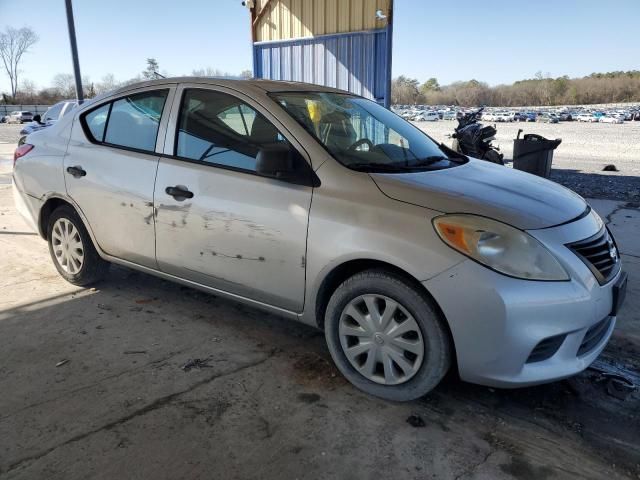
493	157
72	250
385	336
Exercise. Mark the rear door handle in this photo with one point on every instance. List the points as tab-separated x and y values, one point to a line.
179	192
76	171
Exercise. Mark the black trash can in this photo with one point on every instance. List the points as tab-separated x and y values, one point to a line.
534	154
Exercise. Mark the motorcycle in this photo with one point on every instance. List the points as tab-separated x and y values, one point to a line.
474	139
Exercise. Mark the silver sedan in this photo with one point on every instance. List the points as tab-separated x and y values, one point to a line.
326	208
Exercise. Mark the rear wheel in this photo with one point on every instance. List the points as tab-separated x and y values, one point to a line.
385	336
72	250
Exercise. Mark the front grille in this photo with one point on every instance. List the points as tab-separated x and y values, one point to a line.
600	254
546	349
594	336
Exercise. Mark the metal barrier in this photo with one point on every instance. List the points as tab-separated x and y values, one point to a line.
35	109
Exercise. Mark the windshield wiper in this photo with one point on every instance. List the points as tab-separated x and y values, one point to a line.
383	167
419	164
426	162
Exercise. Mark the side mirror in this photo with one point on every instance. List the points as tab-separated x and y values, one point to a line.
37	118
284	163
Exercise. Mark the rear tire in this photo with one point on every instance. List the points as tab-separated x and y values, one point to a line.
405	341
72	250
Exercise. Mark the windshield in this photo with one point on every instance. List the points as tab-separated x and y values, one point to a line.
363	135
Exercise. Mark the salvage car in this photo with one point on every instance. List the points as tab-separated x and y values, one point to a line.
19	116
325	207
51	116
587	117
611	119
546	117
426	116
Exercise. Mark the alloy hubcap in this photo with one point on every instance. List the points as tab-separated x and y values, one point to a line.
67	246
381	339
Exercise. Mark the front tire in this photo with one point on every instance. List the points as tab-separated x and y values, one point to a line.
72	250
493	157
385	336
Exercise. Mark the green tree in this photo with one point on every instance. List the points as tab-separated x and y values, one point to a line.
404	90
151	72
430	85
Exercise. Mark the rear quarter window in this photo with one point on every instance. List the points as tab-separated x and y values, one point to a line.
96	120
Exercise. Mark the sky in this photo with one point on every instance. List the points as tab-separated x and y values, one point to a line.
496	41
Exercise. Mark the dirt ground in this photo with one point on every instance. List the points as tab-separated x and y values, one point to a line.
92	386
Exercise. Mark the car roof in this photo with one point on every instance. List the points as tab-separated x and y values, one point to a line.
242	85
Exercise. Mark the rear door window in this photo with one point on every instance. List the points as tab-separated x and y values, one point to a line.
134	120
130	122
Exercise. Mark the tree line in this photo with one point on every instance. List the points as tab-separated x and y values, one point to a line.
63	86
542	90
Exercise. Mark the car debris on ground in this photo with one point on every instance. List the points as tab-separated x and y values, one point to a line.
197	363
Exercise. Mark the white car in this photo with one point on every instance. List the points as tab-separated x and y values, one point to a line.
587	117
426	117
503	117
449	115
489	117
612	119
51	116
19	116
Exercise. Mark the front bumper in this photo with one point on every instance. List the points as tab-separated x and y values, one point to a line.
498	321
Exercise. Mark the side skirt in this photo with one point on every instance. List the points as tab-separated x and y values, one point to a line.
198	286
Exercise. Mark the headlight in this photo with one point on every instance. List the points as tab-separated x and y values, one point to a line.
499	246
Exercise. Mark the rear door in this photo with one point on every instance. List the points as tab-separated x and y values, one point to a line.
110	169
239	232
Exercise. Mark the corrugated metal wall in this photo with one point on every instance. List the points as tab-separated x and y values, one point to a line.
356	62
337	43
288	19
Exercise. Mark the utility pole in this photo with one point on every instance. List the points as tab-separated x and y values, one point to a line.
389	46
74	51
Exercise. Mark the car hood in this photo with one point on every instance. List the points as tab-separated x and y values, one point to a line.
482	188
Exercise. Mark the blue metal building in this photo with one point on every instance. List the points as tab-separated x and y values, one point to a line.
344	44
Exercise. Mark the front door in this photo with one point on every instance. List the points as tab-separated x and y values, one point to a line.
220	223
110	169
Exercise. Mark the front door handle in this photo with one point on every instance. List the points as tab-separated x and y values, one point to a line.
76	171
179	192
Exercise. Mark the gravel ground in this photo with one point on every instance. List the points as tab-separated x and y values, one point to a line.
578	162
9	133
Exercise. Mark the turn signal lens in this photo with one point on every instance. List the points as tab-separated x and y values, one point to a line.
453	235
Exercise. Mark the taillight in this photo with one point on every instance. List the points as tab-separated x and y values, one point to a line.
21	151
